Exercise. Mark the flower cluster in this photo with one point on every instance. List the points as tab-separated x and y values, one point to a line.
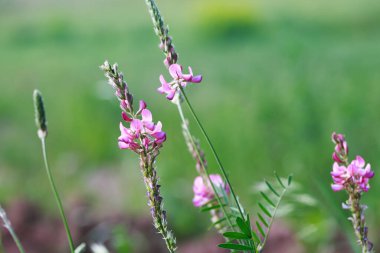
142	133
355	173
203	192
179	79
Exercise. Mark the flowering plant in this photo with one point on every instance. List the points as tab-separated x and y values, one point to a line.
214	193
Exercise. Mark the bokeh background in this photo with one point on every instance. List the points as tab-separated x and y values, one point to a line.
279	77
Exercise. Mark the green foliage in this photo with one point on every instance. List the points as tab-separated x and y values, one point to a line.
247	239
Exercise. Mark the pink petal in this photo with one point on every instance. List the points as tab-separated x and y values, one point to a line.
337	187
190	71
142	105
123	130
170	95
187	77
125	117
136	125
175	71
162	80
146	115
160	137
123	145
360	161
196	79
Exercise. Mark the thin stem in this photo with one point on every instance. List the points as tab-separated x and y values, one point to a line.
213	151
57	198
202	164
16	240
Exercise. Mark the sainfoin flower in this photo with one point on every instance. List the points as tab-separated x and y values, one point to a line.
179	79
141	132
357	173
204	193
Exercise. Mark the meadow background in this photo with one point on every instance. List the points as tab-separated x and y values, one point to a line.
279	78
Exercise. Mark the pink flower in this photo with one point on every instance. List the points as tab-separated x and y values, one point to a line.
357	173
179	79
141	132
360	173
340	176
204	193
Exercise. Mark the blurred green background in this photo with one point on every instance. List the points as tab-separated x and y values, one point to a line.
279	78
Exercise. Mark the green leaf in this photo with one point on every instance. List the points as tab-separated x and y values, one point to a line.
256	238
243	227
235	235
272	189
279	180
267	199
261	230
208	208
290	180
235	246
265	210
262	219
248	221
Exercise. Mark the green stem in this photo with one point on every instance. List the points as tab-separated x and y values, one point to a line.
202	164
15	239
57	198
213	151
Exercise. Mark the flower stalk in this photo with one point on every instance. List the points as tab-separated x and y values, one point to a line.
42	134
145	138
179	82
354	179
